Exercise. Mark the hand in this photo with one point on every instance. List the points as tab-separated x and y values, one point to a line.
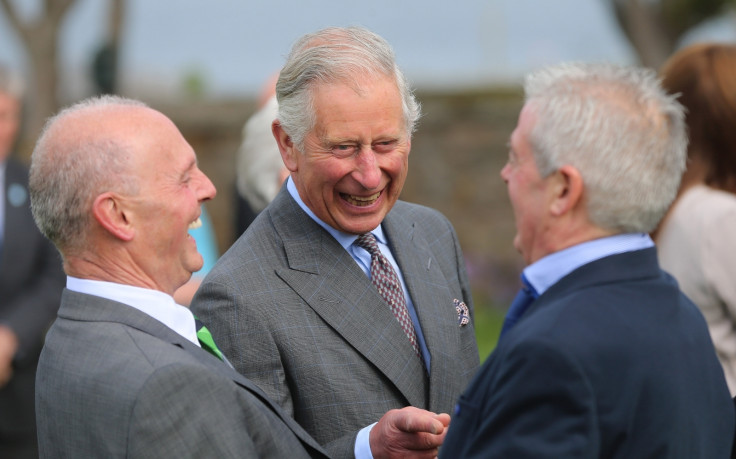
408	432
8	347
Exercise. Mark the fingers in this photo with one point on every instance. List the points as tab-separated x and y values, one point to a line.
8	347
444	418
408	432
415	420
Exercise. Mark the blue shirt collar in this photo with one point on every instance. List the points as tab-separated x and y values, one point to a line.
546	271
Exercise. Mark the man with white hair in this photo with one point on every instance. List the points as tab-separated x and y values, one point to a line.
349	307
600	355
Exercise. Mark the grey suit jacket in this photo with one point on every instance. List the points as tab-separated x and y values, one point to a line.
114	382
295	313
31	280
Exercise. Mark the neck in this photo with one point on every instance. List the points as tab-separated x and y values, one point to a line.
102	268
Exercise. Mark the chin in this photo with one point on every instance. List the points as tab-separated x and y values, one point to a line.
362	227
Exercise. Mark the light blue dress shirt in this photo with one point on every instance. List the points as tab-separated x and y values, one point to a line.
546	271
363	259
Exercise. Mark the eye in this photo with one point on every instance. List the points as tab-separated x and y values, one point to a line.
344	150
384	146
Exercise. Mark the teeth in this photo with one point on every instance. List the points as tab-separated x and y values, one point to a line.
365	198
195	224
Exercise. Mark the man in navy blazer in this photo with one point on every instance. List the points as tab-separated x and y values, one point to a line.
600	355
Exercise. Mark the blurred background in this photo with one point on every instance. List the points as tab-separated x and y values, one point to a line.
204	63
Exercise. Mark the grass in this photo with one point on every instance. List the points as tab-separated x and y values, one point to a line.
488	321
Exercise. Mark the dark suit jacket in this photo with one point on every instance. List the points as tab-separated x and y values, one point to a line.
114	382
31	280
295	313
612	361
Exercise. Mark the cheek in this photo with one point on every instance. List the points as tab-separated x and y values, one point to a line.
329	173
396	166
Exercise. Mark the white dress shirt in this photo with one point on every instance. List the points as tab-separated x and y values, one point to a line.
154	303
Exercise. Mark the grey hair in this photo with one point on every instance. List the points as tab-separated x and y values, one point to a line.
11	83
620	129
67	174
329	56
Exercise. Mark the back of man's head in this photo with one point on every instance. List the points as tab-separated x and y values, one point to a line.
70	165
619	128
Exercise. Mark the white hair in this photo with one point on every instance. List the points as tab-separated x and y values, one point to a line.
332	55
620	129
259	162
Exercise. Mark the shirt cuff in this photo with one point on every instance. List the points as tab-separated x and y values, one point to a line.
362	443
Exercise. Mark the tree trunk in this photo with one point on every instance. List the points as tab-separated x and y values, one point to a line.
642	23
40	40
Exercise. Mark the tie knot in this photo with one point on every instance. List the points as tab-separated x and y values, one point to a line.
368	242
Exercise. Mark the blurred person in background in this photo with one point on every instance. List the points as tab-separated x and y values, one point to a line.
31	280
206	241
697	238
259	172
600	355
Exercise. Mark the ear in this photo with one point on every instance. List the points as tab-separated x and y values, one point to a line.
108	211
567	190
286	146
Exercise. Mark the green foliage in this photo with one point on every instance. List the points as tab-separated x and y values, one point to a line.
488	321
194	83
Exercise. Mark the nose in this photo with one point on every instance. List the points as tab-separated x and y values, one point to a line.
205	188
367	171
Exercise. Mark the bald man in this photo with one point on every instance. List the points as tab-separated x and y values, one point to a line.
125	371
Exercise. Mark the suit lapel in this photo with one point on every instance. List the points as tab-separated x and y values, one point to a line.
327	278
432	300
79	306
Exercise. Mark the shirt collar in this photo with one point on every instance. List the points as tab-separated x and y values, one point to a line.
156	304
344	239
546	271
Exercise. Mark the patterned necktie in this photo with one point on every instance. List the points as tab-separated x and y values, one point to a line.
205	339
523	299
387	283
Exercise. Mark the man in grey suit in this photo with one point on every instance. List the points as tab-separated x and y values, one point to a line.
31	280
355	343
125	371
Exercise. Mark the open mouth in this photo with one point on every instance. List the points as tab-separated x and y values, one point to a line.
361	201
195	224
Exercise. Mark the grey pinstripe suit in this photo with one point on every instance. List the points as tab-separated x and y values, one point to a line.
294	313
114	382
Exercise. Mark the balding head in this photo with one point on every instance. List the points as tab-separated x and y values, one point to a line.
114	184
83	150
